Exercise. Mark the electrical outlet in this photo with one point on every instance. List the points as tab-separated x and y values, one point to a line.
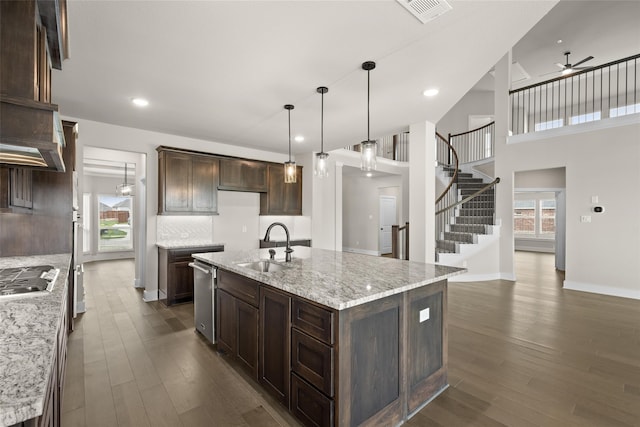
244	228
424	315
585	218
594	199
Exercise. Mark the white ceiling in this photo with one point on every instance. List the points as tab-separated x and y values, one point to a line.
222	70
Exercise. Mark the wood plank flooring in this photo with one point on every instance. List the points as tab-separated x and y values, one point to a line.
520	354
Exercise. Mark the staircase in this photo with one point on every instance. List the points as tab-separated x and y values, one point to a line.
471	219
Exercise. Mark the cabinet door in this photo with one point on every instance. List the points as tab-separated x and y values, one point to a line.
226	322
247	333
243	175
178	175
275	345
281	198
205	184
21	188
180	288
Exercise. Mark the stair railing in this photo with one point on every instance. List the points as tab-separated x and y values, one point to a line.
447	156
474	145
395	235
442	216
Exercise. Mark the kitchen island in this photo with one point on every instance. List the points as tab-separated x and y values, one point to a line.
339	338
33	332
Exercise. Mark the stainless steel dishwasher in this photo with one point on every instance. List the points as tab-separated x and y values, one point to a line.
204	293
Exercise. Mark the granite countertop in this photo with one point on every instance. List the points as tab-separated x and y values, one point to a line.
28	338
183	244
335	279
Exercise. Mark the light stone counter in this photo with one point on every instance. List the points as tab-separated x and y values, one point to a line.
181	244
28	332
335	279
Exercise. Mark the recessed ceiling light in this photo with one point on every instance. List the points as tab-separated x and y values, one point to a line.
299	138
369	174
430	92
559	41
140	102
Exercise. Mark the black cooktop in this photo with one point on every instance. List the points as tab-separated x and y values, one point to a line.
21	280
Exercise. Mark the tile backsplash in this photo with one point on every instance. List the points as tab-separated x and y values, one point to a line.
177	228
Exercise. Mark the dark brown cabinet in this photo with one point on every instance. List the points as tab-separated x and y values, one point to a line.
175	277
21	188
283	243
187	183
237	319
243	175
281	198
275	342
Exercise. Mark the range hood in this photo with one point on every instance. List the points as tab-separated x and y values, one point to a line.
31	134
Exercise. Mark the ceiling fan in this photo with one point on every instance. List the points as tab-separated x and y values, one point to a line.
568	68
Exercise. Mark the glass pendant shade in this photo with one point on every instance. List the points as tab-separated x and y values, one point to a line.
290	166
290	172
124	189
321	168
368	148
368	155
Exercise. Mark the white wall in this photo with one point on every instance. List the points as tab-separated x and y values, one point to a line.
361	210
474	103
105	135
601	255
540	179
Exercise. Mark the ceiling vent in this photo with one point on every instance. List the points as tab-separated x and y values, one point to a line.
425	10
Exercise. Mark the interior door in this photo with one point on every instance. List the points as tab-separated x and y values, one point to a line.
387	219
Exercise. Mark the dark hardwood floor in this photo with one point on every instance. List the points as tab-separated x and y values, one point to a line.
520	354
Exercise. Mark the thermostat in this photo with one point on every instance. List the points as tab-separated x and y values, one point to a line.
598	209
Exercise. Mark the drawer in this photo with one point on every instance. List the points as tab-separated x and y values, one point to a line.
313	360
315	321
240	287
309	405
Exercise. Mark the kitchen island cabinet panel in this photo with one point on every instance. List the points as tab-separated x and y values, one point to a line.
314	320
275	342
313	361
226	322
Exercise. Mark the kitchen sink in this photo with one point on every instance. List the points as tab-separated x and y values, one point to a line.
264	266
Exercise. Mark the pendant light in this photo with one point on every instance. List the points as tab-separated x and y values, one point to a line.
124	189
368	148
289	167
321	170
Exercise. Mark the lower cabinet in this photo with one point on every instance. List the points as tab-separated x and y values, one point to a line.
175	277
275	333
371	364
237	319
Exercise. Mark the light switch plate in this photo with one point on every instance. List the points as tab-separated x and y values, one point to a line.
594	199
424	314
585	218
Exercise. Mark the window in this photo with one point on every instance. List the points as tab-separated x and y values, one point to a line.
534	215
86	223
624	110
115	224
552	124
584	118
524	217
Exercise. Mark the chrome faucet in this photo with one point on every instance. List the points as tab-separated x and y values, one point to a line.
287	256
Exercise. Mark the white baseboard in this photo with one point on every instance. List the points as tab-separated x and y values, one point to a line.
361	251
150	296
601	289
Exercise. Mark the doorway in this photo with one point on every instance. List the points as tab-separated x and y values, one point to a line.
388	218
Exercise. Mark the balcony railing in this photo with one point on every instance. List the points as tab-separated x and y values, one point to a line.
474	145
608	90
395	147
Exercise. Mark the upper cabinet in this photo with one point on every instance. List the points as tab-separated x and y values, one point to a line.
33	40
187	183
281	198
243	175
